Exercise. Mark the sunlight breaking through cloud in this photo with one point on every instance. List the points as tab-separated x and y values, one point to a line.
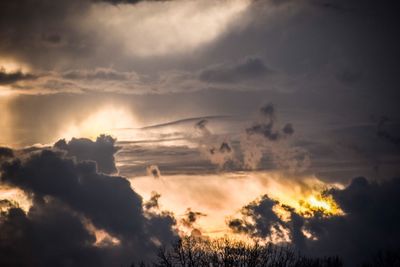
170	27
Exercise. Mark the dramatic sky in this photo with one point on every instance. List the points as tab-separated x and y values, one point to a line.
125	124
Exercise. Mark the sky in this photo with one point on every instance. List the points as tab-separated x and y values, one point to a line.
125	124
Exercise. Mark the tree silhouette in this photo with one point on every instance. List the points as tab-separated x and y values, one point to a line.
197	252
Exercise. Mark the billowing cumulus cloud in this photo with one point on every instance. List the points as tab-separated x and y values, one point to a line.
368	223
63	187
263	216
35	238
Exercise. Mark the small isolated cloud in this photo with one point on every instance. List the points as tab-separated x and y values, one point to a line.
191	217
152	203
154	171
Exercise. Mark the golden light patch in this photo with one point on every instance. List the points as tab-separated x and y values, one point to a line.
5	91
325	205
106	120
103	238
16	196
10	66
222	196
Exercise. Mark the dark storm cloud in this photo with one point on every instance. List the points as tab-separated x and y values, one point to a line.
369	224
258	218
13	77
101	151
50	234
251	68
6	152
108	202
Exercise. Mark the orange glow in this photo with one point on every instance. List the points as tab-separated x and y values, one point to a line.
103	238
106	120
221	196
320	203
16	196
13	66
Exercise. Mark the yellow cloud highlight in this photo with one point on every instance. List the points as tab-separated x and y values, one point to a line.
106	120
10	65
15	196
221	196
320	203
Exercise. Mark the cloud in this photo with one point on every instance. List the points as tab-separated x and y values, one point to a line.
190	222
14	77
152	203
49	234
369	222
30	28
107	202
115	2
101	151
266	127
384	133
154	171
99	74
217	151
6	152
249	69
258	218
191	217
264	135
